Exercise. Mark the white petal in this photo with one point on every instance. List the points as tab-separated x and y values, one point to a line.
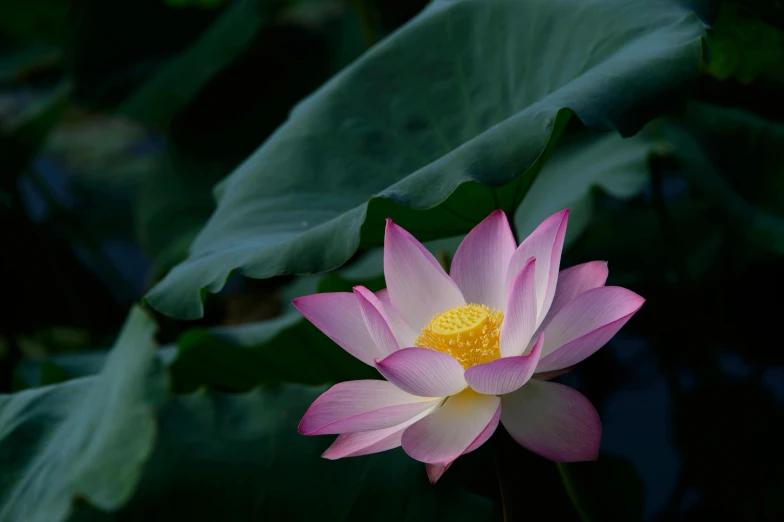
339	316
418	286
375	318
520	312
553	420
480	263
462	424
585	325
545	244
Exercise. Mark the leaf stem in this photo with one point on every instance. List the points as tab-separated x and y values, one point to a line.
362	9
566	479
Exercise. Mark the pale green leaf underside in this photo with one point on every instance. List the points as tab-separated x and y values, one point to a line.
88	438
454	113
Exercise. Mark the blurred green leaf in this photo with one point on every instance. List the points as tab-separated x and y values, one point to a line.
732	158
173	204
237	358
745	47
580	163
422	121
26	119
208	4
181	79
87	438
44	20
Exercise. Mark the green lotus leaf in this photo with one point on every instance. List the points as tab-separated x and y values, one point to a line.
442	122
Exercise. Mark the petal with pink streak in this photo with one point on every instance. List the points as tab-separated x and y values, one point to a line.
545	244
480	263
462	424
418	286
367	442
585	325
376	320
354	406
504	375
404	334
339	316
520	323
423	372
572	282
553	421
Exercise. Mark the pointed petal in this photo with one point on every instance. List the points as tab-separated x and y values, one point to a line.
375	318
418	286
367	442
404	334
366	405
423	372
585	325
480	263
434	471
553	421
504	375
464	422
520	322
573	281
545	244
339	316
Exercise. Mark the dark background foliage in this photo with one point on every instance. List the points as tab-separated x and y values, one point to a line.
118	118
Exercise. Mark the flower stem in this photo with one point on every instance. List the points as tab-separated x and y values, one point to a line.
566	479
500	486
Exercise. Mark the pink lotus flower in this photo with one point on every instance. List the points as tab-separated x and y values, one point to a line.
462	352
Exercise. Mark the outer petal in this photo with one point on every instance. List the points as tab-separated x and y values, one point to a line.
434	471
404	334
585	325
574	281
367	405
504	375
423	372
520	312
339	316
480	263
546	376
376	320
545	244
367	442
462	424
553	420
418	286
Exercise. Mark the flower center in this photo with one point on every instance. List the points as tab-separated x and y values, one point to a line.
468	333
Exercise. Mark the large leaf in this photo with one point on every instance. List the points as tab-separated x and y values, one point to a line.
239	458
88	438
454	113
106	447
